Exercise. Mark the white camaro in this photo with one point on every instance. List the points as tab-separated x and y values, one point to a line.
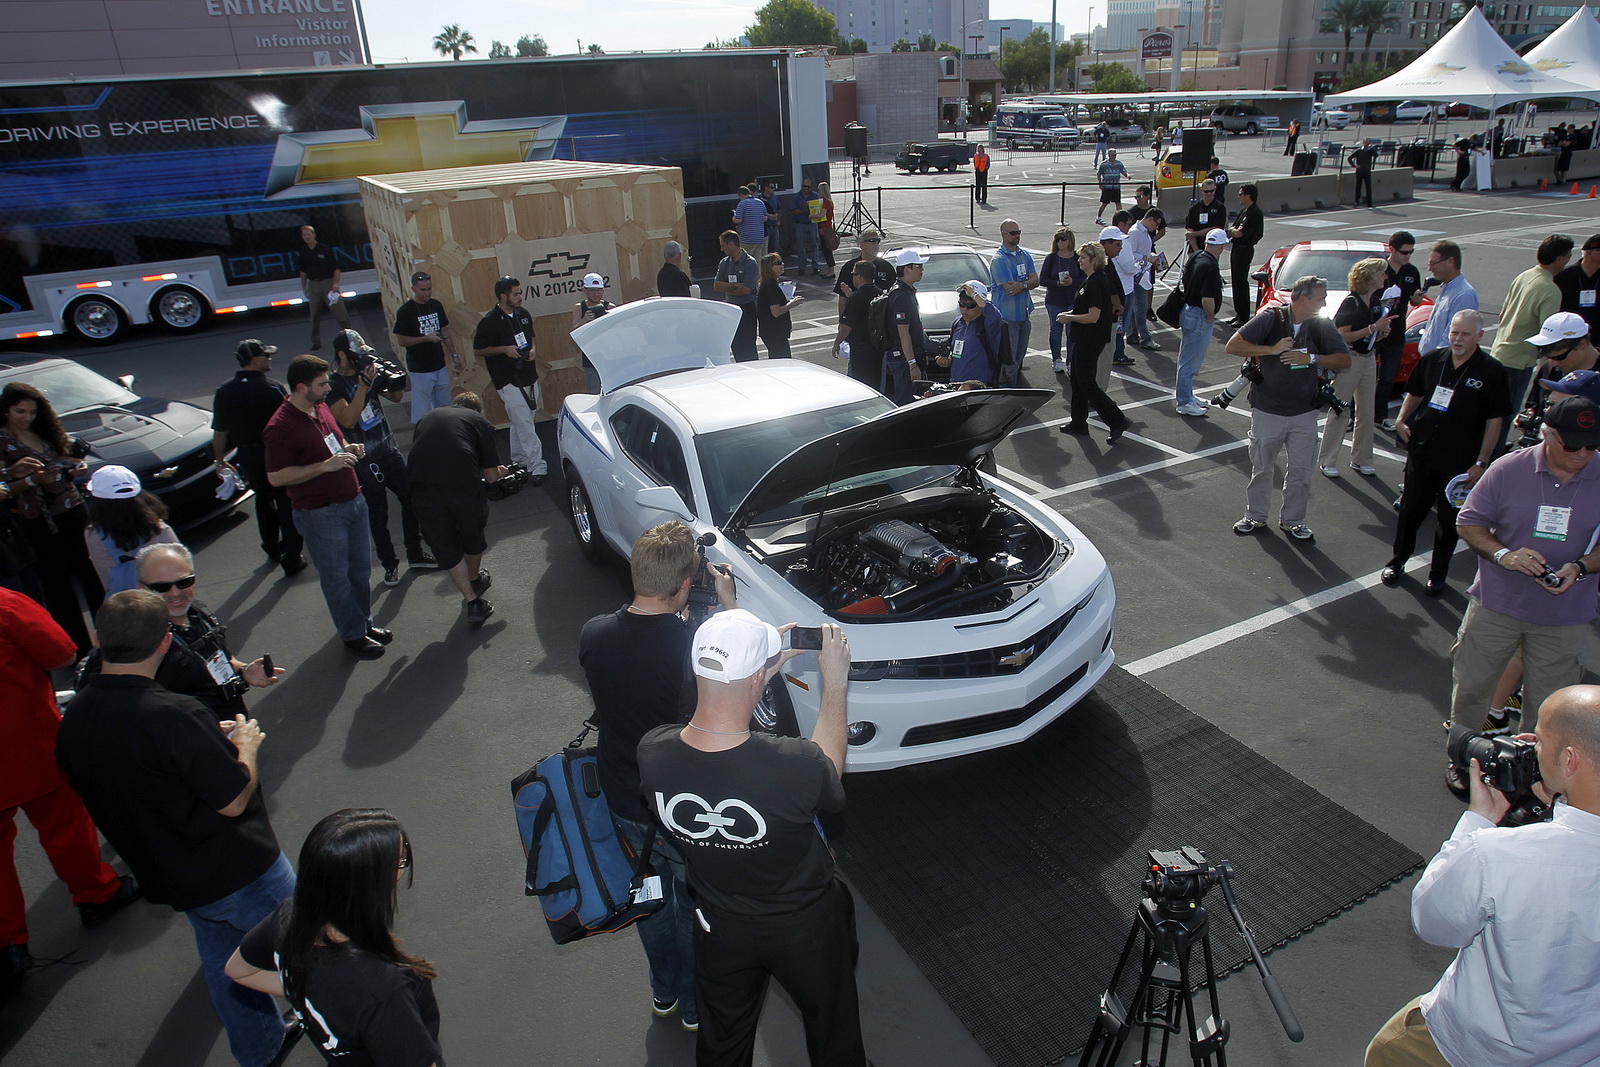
976	615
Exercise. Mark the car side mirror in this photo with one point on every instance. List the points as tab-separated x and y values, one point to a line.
126	380
662	498
1261	277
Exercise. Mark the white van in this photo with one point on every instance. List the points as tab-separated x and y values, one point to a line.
1035	126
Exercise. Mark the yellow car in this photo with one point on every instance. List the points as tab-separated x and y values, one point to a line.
1170	174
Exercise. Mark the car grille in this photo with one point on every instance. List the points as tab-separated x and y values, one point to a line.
186	467
998	661
993	722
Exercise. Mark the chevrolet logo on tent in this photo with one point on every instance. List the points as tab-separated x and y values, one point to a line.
1514	66
394	138
558	265
1553	64
1438	70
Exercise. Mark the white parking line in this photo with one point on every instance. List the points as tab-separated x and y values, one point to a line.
1217	638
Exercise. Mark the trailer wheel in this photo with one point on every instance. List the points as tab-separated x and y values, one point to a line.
180	309
97	320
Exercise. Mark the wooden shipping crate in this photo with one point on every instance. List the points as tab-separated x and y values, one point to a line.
547	223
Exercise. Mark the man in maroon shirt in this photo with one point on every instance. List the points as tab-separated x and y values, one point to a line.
307	455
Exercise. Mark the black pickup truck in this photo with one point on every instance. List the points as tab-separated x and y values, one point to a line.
940	155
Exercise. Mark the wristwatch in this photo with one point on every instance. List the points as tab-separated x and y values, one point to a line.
1583	570
1500	554
1313	359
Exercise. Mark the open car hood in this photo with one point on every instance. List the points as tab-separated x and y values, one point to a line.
957	429
650	337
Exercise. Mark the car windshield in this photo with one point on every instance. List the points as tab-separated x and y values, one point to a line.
1331	263
1054	122
70	387
948	270
733	460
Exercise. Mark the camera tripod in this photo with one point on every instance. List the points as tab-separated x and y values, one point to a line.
857	218
1170	921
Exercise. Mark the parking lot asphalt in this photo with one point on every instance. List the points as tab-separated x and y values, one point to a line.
1293	648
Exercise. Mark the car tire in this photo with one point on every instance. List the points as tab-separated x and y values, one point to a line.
774	712
96	320
180	309
924	168
1251	129
580	512
949	168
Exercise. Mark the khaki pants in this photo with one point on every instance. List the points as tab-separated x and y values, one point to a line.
1359	382
1552	658
1404	1041
316	294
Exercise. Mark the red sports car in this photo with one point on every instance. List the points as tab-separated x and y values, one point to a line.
1332	260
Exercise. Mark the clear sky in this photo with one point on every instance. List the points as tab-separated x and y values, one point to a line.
398	30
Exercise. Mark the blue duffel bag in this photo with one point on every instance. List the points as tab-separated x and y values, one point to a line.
586	876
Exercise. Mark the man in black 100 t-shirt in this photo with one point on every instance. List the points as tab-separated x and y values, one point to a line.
742	808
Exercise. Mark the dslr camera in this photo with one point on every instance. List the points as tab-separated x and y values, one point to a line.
1530	422
510	483
1327	398
1510	765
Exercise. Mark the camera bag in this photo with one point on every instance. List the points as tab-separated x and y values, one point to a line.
586	876
1171	309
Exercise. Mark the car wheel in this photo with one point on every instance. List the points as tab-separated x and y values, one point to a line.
97	320
1251	128
924	168
774	712
949	168
584	526
180	309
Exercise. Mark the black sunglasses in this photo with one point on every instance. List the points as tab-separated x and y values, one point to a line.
185	582
1404	251
1578	448
1011	233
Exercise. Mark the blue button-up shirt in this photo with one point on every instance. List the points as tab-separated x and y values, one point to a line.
1011	266
1454	295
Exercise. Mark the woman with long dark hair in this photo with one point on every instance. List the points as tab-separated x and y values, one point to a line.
1092	320
1060	275
331	948
773	322
53	515
123	518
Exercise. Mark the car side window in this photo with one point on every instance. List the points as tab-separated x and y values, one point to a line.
655	449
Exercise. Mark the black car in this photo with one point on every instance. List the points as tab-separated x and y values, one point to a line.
167	443
940	155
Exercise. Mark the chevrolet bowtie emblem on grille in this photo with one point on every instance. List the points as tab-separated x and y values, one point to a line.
558	265
394	138
1018	659
164	473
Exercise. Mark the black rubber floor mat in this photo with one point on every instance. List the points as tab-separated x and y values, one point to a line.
1011	877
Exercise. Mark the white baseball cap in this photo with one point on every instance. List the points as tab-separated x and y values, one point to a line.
1216	237
733	645
909	256
114	483
593	281
979	290
1562	326
1112	233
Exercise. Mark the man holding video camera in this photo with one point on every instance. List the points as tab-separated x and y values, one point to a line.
1533	519
1518	903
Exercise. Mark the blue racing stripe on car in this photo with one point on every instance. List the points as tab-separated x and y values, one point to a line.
578	426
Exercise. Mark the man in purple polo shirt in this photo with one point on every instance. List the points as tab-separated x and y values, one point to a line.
1533	519
307	455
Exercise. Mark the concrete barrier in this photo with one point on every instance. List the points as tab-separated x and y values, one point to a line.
1309	192
1521	172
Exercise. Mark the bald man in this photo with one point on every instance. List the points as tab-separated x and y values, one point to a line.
1518	904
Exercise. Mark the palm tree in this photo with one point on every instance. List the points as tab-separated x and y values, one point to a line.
1344	16
1377	16
453	42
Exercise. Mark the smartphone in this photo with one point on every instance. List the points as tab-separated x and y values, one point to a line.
806	637
266	665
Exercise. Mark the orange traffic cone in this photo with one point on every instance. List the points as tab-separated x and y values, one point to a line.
1592	189
1574	190
1542	185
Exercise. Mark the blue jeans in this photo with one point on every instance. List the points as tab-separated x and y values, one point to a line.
1191	350
808	245
1100	148
1060	336
429	389
896	378
337	542
1135	326
1018	332
251	1019
668	935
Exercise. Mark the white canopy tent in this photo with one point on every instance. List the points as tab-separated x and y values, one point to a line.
1472	64
1572	51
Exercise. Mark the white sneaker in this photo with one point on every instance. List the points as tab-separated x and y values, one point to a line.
1057	366
1194	409
1332	472
1365	471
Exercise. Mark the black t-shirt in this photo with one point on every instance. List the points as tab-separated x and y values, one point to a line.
770	325
744	818
1580	293
371	428
639	676
1356	314
1409	280
499	328
883	275
1202	277
1285	390
360	1010
1251	224
855	316
1095	292
1451	439
1204	216
671	281
1219	176
903	311
154	771
450	449
419	320
244	404
316	262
